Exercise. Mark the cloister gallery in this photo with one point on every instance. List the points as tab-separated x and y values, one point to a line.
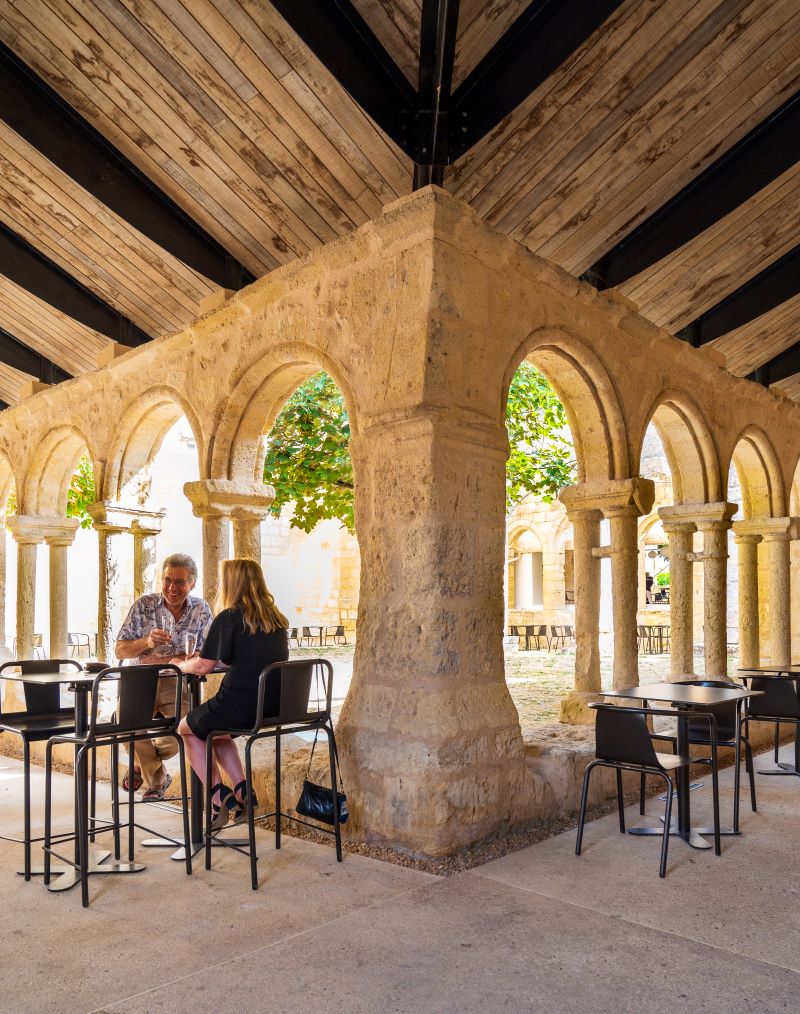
430	739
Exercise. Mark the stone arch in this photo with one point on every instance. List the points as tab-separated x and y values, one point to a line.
691	454
8	480
759	475
236	450
143	426
589	398
50	474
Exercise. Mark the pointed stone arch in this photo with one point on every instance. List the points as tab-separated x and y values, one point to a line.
44	491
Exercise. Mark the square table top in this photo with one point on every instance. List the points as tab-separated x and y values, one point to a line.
793	668
50	678
684	693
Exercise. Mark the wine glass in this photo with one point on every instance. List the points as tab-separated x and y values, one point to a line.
190	643
167	625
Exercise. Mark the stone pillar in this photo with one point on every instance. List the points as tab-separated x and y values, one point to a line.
777	534
641	584
216	501
624	586
428	722
107	590
714	523
59	543
586	538
144	555
3	643
247	537
26	587
680	592
747	545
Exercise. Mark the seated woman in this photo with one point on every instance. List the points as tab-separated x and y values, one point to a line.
248	634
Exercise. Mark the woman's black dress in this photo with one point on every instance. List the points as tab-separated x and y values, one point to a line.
234	706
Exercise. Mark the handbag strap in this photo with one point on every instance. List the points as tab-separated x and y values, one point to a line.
337	766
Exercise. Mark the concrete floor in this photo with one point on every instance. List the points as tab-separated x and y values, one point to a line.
538	930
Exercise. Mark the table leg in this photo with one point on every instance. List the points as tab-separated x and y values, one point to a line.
788	769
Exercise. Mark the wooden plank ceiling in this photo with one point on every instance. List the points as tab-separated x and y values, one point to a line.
229	113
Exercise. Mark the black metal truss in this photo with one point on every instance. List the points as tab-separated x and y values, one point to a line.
436	57
22	357
39	115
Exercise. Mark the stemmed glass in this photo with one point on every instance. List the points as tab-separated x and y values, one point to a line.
189	643
167	625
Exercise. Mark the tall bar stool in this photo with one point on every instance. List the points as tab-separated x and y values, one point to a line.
42	718
284	708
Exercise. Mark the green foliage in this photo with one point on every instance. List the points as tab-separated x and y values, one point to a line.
662	579
81	492
542	455
308	456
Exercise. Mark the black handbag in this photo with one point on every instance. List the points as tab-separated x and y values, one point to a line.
316	801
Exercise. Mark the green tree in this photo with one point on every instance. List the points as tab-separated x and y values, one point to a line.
308	458
542	457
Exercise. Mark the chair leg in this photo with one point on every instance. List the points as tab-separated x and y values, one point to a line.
737	779
83	826
26	789
582	812
715	800
93	796
251	815
337	830
115	797
277	790
750	767
777	739
48	777
662	869
131	762
620	802
642	781
187	837
209	756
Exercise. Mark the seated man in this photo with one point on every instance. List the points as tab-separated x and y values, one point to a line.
155	630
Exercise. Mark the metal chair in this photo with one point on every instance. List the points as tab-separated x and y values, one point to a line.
78	643
558	636
284	692
309	638
338	635
42	718
644	641
779	703
623	742
293	636
38	649
133	721
536	633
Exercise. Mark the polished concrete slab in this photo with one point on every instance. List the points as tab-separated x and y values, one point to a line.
539	930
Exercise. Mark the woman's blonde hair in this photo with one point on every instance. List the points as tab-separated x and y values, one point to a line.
242	586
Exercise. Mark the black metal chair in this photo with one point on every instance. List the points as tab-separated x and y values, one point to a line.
728	734
623	742
42	718
132	721
309	638
644	642
558	636
284	700
536	633
293	636
78	644
779	703
338	635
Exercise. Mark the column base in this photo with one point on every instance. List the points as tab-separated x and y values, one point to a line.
575	708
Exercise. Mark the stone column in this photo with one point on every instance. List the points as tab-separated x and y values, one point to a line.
428	722
216	547
747	546
144	554
624	586
3	581
680	592
27	541
586	538
108	584
777	534
641	584
714	522
247	536
59	543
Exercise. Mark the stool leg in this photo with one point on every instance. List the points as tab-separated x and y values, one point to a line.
662	869
277	790
620	802
582	812
209	755
337	831
115	797
187	838
93	796
131	762
26	761
48	771
251	815
83	826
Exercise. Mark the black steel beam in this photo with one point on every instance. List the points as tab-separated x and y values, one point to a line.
436	56
786	364
39	115
340	38
30	269
546	34
22	357
745	169
771	287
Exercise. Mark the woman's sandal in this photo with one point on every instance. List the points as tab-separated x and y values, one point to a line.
240	802
221	812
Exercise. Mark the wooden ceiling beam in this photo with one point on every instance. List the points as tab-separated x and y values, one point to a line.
24	265
341	39
42	118
743	171
22	357
546	34
768	289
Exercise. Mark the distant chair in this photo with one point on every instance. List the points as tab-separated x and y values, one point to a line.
78	644
337	634
570	633
558	636
643	639
537	634
293	631
38	650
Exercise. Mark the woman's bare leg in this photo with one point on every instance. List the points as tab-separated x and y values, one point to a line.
196	752
226	754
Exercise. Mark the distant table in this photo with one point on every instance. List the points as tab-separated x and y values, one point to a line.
311	628
685	698
792	672
80	682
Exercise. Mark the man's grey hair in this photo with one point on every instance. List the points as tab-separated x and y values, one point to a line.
180	560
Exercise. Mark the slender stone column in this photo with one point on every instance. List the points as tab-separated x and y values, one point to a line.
680	592
26	593
777	534
715	594
216	547
641	584
747	547
59	599
108	584
144	557
3	581
586	538
247	537
624	585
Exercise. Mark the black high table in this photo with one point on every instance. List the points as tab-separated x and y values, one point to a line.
685	698
80	683
791	672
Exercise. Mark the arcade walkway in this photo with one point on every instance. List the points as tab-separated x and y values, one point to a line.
538	930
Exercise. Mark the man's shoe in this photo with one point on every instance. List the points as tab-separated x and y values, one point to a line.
156	793
137	780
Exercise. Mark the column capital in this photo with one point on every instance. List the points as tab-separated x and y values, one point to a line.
615	497
778	529
226	498
703	516
28	529
108	516
147	523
